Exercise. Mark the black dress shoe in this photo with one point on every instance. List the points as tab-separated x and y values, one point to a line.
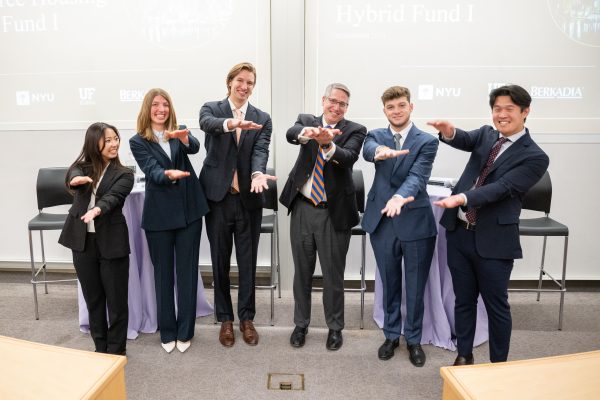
416	355
468	360
386	350
334	340
298	337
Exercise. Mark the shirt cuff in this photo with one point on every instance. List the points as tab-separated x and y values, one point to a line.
301	138
464	196
225	128
255	174
450	138
327	154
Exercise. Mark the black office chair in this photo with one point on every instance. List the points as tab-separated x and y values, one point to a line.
539	198
51	191
359	185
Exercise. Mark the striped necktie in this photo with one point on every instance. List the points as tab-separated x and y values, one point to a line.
317	192
471	214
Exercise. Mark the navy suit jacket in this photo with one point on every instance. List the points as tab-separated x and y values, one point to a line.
169	204
111	229
405	175
498	201
224	156
337	174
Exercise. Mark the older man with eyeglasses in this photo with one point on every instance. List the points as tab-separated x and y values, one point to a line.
320	195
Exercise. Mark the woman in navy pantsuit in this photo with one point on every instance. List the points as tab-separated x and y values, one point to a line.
172	216
96	232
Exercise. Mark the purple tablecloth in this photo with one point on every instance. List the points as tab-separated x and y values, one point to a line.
142	297
438	318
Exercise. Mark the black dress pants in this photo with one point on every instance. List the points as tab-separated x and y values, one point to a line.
104	283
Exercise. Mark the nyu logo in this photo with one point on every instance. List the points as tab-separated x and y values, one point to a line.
27	98
429	92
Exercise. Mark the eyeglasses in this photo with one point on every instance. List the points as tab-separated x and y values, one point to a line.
335	102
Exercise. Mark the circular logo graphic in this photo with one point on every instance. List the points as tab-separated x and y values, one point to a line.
578	19
182	24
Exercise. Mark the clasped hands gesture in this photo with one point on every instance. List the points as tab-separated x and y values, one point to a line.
92	213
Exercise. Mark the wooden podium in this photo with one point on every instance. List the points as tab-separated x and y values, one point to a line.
37	371
573	376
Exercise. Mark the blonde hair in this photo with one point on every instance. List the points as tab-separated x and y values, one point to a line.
235	70
144	122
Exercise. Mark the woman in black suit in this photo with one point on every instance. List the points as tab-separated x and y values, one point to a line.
96	232
172	218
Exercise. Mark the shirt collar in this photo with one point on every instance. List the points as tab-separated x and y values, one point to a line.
403	132
243	108
324	123
515	137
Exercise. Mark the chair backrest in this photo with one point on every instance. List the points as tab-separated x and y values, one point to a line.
270	196
51	189
359	186
539	197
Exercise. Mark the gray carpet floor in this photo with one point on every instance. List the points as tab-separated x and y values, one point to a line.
209	371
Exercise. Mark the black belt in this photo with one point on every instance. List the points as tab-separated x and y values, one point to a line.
468	226
322	204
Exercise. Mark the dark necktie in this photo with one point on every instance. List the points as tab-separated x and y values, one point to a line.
472	212
398	141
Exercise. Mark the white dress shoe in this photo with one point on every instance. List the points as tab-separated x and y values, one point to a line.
169	347
183	346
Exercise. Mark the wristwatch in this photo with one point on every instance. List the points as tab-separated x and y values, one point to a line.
326	146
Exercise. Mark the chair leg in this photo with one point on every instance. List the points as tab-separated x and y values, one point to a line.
43	262
276	234
542	272
563	285
33	277
363	285
272	280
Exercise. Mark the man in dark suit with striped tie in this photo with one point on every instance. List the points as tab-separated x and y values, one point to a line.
320	195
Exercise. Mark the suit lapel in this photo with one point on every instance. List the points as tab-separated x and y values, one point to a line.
250	116
106	180
227	112
514	148
173	145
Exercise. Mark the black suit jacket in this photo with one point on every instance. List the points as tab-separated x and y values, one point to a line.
498	201
111	229
169	204
224	156
337	173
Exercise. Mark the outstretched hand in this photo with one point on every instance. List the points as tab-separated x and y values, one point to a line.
386	153
175	174
91	214
444	127
450	202
260	182
181	134
395	204
243	124
80	180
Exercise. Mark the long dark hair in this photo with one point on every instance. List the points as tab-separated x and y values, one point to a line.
90	159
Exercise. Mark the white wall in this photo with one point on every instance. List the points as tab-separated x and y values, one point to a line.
574	164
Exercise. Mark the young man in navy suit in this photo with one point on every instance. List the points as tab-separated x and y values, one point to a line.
482	216
399	219
233	177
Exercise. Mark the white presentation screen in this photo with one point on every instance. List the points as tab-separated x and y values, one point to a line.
450	54
67	63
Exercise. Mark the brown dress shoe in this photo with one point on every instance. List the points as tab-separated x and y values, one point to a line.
226	335
249	333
